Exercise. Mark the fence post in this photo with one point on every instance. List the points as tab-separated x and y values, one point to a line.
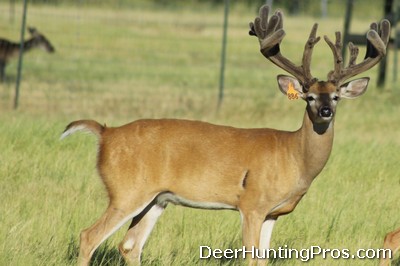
21	52
223	55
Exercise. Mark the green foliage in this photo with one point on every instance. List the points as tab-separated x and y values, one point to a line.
293	7
119	65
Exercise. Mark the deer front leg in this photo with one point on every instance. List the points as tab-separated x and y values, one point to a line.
139	230
251	229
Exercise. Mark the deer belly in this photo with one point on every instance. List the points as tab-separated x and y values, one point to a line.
286	206
169	197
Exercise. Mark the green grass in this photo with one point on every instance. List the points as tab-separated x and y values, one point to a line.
120	65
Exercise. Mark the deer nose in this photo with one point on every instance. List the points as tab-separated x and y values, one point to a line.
325	111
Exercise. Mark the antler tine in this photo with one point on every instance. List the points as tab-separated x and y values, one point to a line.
353	54
270	34
371	52
377	40
308	48
337	56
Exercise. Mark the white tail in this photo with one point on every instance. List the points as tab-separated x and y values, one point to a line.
262	173
83	125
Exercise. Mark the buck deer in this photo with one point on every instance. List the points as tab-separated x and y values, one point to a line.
262	173
9	49
392	242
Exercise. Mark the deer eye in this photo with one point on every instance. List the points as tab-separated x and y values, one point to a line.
310	98
335	98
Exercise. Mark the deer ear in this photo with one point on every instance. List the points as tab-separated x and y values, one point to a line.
285	81
354	88
32	31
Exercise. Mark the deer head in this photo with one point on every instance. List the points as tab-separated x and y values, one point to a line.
321	96
40	40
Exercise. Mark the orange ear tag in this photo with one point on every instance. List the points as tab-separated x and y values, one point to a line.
291	93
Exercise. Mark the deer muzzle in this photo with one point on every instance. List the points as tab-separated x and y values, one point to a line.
325	112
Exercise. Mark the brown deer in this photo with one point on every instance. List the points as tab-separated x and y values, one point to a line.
9	49
392	242
262	173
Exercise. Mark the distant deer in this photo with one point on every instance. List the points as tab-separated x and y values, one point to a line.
262	173
392	242
9	49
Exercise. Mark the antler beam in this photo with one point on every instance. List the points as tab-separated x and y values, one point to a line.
377	40
270	34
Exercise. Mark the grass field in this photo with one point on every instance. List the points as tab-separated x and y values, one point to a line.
120	65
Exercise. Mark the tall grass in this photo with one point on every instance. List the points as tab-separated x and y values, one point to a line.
120	65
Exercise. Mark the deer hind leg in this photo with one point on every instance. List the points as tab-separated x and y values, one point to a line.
117	213
139	230
392	242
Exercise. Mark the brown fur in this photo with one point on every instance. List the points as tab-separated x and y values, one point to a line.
262	173
204	163
392	242
148	163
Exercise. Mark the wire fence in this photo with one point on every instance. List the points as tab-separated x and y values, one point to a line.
124	58
105	57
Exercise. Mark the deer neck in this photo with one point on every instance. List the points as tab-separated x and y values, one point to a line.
9	49
29	44
316	145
